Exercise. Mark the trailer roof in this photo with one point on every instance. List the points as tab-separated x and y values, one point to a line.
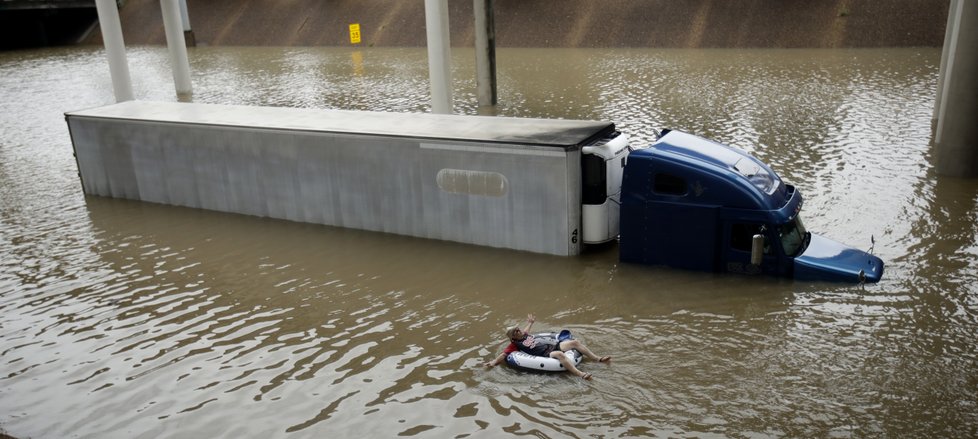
540	132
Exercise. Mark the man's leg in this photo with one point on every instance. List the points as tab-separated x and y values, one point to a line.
575	344
569	365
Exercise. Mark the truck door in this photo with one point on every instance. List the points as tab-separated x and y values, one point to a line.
738	241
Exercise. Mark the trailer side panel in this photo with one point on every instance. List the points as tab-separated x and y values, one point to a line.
523	197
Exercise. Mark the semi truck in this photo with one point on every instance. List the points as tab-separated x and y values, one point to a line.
540	185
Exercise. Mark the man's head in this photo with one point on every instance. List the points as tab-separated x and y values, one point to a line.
514	334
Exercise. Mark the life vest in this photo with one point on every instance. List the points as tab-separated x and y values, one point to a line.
540	345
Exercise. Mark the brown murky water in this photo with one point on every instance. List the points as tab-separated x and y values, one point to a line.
125	319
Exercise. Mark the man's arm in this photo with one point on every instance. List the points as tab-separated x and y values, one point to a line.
529	323
496	361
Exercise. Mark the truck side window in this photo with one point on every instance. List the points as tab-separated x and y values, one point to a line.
668	184
741	236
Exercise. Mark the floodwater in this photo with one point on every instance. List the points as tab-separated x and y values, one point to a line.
127	319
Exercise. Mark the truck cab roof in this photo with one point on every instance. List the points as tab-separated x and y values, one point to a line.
716	173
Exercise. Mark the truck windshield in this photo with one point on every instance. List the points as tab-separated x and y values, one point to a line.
793	237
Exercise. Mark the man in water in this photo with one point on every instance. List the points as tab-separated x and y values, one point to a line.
521	340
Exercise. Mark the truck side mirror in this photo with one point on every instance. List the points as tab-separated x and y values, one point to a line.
757	249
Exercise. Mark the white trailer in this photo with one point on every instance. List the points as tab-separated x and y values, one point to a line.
537	185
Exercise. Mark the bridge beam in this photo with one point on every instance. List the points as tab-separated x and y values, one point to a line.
13	5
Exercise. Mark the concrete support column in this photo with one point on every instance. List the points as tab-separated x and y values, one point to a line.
948	33
188	33
485	52
177	46
115	49
956	135
439	55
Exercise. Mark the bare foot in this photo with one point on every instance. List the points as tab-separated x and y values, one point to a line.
604	359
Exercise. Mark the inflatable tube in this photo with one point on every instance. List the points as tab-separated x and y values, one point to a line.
521	360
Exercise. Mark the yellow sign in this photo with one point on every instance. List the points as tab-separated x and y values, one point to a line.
355	33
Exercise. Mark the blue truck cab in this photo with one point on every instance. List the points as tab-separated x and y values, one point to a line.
692	203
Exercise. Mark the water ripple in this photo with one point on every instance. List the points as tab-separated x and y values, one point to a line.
138	320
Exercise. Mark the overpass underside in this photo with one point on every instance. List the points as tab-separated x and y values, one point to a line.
38	23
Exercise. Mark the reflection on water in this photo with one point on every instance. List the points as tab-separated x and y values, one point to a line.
136	320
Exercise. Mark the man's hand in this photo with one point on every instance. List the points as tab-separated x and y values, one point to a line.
530	318
495	361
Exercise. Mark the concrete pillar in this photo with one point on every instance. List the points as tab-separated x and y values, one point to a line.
956	135
176	46
948	32
188	33
485	52
115	49
439	55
